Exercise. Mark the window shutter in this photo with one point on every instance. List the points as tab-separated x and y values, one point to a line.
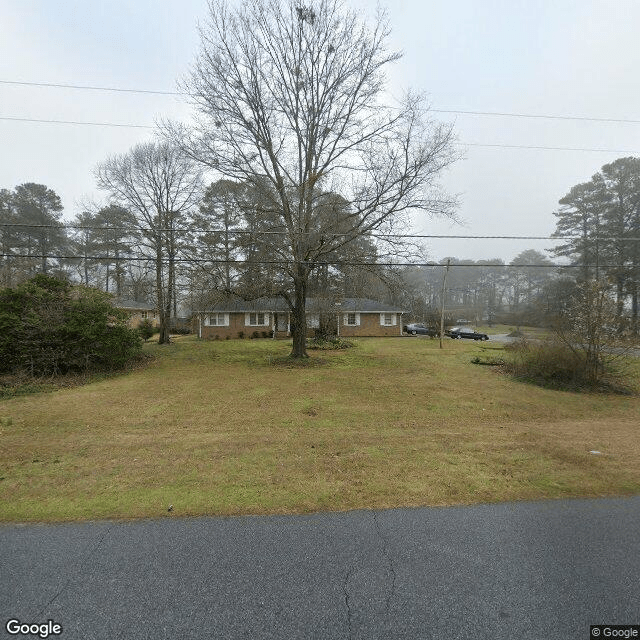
226	319
382	315
247	319
357	319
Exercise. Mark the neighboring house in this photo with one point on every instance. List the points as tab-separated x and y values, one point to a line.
138	311
348	317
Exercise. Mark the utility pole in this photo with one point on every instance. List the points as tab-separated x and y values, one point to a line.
444	283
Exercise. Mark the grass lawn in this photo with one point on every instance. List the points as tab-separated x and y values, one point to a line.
226	428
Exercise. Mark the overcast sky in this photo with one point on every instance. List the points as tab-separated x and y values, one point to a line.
544	57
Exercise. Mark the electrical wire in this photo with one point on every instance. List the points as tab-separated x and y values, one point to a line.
343	263
501	114
460	144
92	124
332	235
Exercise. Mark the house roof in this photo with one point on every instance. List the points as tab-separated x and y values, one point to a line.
314	305
133	305
365	305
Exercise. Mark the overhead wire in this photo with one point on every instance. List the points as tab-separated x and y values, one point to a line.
418	236
349	263
502	114
459	144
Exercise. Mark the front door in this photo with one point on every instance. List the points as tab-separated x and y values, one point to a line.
282	324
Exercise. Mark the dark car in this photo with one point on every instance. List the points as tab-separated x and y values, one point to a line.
417	328
466	332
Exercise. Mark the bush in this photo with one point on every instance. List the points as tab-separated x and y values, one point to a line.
49	327
181	330
240	335
329	344
553	364
146	329
255	335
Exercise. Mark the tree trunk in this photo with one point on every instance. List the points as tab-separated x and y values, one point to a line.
634	309
299	328
163	338
108	276
620	297
118	274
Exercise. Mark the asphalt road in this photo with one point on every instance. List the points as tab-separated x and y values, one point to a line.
514	571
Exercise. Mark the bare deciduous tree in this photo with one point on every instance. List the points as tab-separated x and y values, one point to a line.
159	185
590	328
290	101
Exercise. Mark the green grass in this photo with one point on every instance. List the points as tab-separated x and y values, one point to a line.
231	427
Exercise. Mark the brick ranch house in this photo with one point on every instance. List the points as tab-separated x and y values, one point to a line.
349	317
138	311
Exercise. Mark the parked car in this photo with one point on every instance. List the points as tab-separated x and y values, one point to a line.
417	328
466	332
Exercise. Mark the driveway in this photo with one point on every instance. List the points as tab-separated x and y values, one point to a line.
516	571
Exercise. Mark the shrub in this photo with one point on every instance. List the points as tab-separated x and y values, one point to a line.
255	334
146	329
48	327
329	344
556	365
241	334
181	330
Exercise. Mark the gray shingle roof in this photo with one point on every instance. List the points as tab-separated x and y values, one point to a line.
133	304
314	305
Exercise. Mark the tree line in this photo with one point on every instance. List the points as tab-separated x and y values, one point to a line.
167	239
222	239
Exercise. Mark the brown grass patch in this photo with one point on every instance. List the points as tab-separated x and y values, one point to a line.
213	429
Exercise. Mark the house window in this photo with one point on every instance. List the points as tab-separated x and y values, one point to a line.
313	322
387	319
144	315
352	319
218	320
258	319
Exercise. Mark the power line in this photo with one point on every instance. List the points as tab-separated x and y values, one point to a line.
524	146
91	88
112	259
461	144
500	114
75	122
335	235
536	116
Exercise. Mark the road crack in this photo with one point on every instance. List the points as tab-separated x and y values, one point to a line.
65	586
391	568
345	591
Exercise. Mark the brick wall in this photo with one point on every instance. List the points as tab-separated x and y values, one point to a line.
136	319
369	326
236	324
